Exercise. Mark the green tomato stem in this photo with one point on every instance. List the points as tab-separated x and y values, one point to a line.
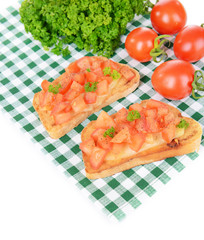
157	51
196	85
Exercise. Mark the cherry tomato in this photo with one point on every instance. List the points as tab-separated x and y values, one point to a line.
168	16
173	79
189	43
140	42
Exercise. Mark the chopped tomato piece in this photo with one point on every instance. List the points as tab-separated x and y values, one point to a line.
104	142
169	118
90	97
96	133
91	77
140	124
122	136
104	121
137	141
59	107
61	118
45	85
122	114
96	64
71	95
46	98
162	111
77	87
58	98
97	157
107	78
152	113
98	72
168	133
83	63
72	68
152	124
136	106
79	77
111	64
78	104
87	146
102	87
65	84
151	103
127	73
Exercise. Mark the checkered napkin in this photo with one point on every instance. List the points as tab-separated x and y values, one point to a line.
23	66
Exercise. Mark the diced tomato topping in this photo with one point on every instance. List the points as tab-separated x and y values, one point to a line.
169	118
96	64
136	106
78	104
98	72
152	125
65	84
122	136
84	63
111	64
151	103
107	78
127	73
59	107
61	118
45	85
97	157
71	95
102	87
137	141
79	77
152	113
121	115
77	87
72	68
96	133
168	133
104	142
162	111
104	121
58	98
91	77
46	98
90	97
87	146
140	124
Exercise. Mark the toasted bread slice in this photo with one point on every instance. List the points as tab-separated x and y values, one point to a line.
188	142
119	89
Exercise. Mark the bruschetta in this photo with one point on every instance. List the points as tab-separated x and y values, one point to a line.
144	133
86	86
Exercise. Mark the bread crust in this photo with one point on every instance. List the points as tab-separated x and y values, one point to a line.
189	142
122	89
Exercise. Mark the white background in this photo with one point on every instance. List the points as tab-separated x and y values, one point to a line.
38	202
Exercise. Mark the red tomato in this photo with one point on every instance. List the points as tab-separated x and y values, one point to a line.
59	107
127	73
77	87
168	16
71	95
122	114
91	77
104	142
168	133
135	106
83	63
102	87
87	146
45	85
173	79
189	44
79	77
139	43
72	68
122	136
96	133
97	157
90	97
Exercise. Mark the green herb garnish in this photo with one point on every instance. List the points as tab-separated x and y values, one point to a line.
183	124
54	89
90	86
115	75
88	70
110	132
107	71
132	115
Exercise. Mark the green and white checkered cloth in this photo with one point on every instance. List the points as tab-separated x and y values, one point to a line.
23	66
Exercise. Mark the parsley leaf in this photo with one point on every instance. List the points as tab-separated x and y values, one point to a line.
88	70
115	75
132	115
54	89
107	71
183	124
90	86
110	132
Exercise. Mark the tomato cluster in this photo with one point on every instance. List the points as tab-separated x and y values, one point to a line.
172	79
